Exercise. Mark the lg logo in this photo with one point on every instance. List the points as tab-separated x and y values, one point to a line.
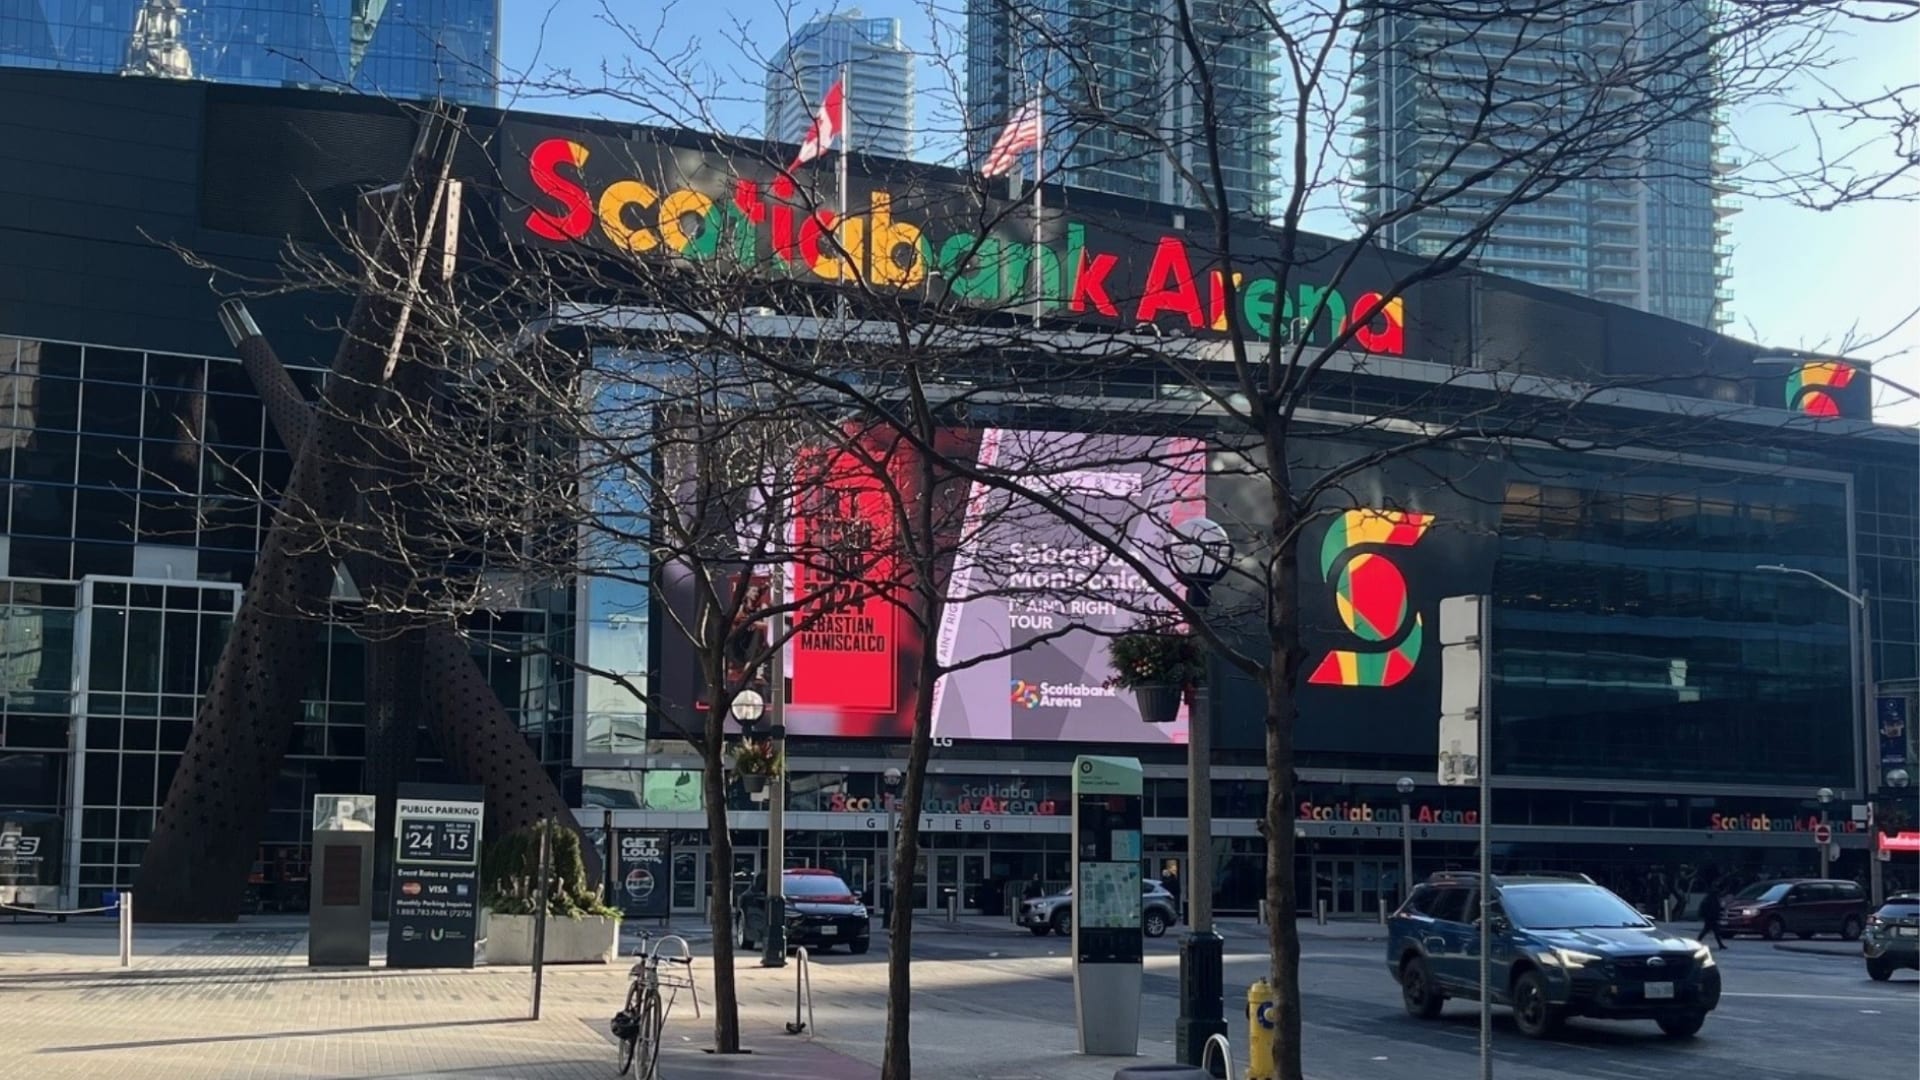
1372	597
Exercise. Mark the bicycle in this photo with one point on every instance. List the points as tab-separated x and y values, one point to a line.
637	1027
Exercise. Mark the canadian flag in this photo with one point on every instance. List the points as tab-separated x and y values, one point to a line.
828	125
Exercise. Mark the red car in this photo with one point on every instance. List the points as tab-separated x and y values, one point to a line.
1801	906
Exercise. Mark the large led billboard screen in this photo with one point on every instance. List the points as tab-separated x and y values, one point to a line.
1032	600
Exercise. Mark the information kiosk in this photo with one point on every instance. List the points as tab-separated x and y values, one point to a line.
1107	930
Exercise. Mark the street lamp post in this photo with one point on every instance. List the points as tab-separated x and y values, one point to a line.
1869	729
1825	795
887	893
1404	786
1199	557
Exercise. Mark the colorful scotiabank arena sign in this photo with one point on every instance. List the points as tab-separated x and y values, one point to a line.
1370	593
933	237
1828	388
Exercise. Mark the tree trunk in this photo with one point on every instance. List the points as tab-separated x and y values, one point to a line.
897	1057
726	1007
1283	935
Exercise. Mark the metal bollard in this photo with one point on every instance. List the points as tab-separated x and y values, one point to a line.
126	928
1666	909
953	908
1260	918
1322	912
1383	911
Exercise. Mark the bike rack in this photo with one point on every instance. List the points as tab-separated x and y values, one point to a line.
1226	1055
683	956
802	991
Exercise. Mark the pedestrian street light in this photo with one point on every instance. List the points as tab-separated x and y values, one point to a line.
748	707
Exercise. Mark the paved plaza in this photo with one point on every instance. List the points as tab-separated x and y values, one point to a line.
991	1003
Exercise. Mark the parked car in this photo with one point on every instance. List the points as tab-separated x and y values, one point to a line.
1891	940
1802	906
1560	948
822	911
1054	914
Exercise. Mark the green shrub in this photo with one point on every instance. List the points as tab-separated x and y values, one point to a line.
510	869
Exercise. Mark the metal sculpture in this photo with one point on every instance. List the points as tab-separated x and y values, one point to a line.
205	835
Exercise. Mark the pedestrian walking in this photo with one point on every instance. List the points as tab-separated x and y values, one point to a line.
1710	910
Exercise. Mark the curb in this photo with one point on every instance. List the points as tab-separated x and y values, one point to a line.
1821	950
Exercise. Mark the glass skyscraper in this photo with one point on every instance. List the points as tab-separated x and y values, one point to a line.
405	49
1113	69
1650	235
881	106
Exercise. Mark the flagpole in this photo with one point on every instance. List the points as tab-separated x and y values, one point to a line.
846	148
1039	148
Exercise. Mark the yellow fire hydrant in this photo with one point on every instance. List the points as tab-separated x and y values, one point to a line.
1260	1031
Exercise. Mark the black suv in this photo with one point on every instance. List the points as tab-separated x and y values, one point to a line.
1561	947
822	911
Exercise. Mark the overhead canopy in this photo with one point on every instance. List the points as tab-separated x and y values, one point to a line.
1906	841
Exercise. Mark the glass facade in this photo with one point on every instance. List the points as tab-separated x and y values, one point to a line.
137	490
1635	637
406	49
1652	238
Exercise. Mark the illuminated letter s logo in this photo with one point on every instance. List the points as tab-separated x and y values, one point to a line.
1808	385
1372	596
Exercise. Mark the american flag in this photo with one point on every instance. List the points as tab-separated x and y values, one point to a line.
1021	134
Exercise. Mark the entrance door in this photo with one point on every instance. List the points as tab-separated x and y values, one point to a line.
693	873
965	871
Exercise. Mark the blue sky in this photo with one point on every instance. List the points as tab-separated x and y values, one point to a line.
1801	278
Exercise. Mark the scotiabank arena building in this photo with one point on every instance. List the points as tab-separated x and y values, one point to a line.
1664	711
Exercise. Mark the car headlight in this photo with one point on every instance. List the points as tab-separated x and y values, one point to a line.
1703	956
1748	913
1571	959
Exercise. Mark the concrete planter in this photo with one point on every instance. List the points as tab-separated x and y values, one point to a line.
589	939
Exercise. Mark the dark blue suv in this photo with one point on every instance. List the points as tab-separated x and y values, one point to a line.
1562	946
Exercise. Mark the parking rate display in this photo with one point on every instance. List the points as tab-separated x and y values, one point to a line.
435	902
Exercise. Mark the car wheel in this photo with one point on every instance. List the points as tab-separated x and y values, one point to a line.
1063	922
1533	1011
1423	999
1684	1026
860	946
1879	970
1850	930
1155	923
1775	929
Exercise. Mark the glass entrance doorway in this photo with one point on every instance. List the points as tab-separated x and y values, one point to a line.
962	870
692	871
1356	886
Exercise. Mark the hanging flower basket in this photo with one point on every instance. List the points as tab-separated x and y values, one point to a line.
1162	668
1159	702
755	762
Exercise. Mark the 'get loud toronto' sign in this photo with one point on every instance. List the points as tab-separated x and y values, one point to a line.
656	200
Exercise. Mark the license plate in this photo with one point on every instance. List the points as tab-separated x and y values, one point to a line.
1906	931
829	931
1659	991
